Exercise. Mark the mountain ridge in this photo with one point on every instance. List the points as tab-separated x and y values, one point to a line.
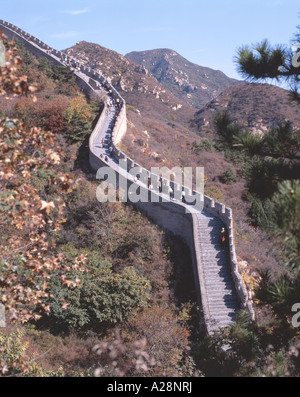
256	106
139	88
194	84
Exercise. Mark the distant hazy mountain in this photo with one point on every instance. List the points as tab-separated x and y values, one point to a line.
193	84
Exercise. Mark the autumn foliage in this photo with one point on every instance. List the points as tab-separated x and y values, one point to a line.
36	278
68	263
46	113
28	261
26	266
12	81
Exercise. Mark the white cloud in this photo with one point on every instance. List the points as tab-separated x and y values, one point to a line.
76	12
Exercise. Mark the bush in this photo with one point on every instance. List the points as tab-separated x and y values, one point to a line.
281	293
78	129
282	141
48	114
102	298
214	193
236	137
251	143
226	128
167	340
262	175
15	361
229	351
45	67
281	214
233	156
262	211
228	177
64	75
205	145
79	118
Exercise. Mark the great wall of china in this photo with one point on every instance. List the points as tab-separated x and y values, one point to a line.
220	287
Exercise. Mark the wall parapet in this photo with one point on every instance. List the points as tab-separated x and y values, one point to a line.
120	126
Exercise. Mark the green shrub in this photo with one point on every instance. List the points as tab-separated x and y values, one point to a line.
283	141
281	293
214	193
262	175
103	297
262	211
78	129
228	177
45	67
205	145
64	75
281	214
79	118
252	143
234	156
201	133
15	360
226	128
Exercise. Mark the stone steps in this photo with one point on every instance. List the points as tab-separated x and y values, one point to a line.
221	295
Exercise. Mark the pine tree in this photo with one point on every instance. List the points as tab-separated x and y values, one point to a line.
263	61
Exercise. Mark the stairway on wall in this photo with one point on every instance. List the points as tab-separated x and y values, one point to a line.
222	300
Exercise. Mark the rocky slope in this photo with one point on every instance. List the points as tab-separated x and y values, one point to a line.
258	107
196	85
139	88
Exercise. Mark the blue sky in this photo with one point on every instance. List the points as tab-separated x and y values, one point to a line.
206	32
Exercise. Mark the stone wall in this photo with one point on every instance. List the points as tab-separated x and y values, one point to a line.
170	216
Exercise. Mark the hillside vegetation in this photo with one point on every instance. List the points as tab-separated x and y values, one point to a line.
258	107
96	289
76	273
225	150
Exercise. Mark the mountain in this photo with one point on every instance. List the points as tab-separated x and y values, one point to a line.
158	131
258	107
134	82
196	85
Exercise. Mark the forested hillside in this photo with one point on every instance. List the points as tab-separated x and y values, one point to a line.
96	289
74	272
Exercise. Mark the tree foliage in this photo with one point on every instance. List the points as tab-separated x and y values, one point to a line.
228	176
263	61
79	119
16	360
273	178
27	258
12	80
103	297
